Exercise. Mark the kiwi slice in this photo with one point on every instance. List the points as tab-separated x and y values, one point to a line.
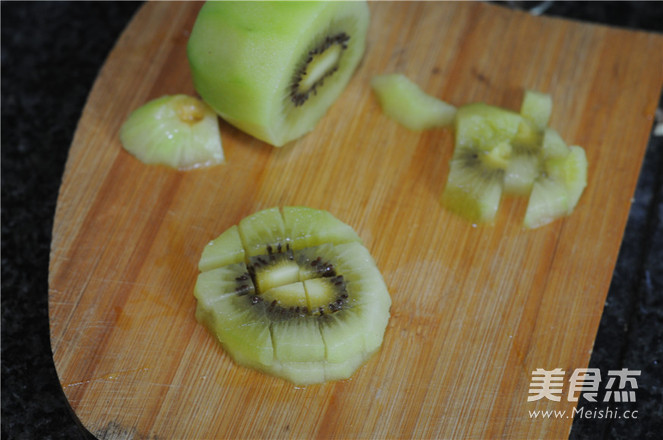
178	131
293	292
405	102
273	69
499	152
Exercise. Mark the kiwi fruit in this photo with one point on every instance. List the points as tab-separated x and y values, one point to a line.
525	162
500	152
405	102
537	108
273	69
178	131
475	184
293	292
557	191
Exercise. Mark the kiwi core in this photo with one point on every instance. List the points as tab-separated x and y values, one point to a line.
290	284
320	63
190	110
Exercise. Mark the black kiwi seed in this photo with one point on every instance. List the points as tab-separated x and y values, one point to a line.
328	271
299	97
242	290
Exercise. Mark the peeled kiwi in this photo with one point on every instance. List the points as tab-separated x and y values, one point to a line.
292	292
178	131
273	69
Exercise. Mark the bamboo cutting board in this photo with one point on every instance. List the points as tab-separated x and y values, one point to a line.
475	309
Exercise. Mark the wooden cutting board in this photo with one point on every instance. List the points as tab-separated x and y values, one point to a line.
475	309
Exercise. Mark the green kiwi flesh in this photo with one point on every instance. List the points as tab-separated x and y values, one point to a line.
280	298
178	131
499	152
405	102
557	191
273	69
537	107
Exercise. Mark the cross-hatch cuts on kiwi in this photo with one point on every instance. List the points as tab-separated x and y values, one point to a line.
292	292
280	270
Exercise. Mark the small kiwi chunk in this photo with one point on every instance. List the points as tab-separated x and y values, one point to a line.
475	184
557	191
537	107
304	306
405	102
525	162
481	157
273	69
178	131
498	152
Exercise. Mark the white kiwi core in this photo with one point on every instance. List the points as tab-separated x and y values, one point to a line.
190	110
320	66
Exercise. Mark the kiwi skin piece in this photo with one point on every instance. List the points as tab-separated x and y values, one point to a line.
246	59
272	331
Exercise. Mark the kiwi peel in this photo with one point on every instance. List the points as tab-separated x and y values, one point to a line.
500	152
178	131
273	69
293	292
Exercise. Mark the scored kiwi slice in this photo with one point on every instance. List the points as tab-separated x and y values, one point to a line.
178	131
273	69
293	292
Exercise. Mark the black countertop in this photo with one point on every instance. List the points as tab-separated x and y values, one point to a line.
51	54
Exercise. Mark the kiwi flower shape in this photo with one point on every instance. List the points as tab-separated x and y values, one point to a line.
293	293
498	151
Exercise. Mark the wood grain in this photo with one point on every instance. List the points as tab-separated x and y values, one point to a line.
475	309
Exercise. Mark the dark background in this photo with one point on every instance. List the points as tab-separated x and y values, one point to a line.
51	54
